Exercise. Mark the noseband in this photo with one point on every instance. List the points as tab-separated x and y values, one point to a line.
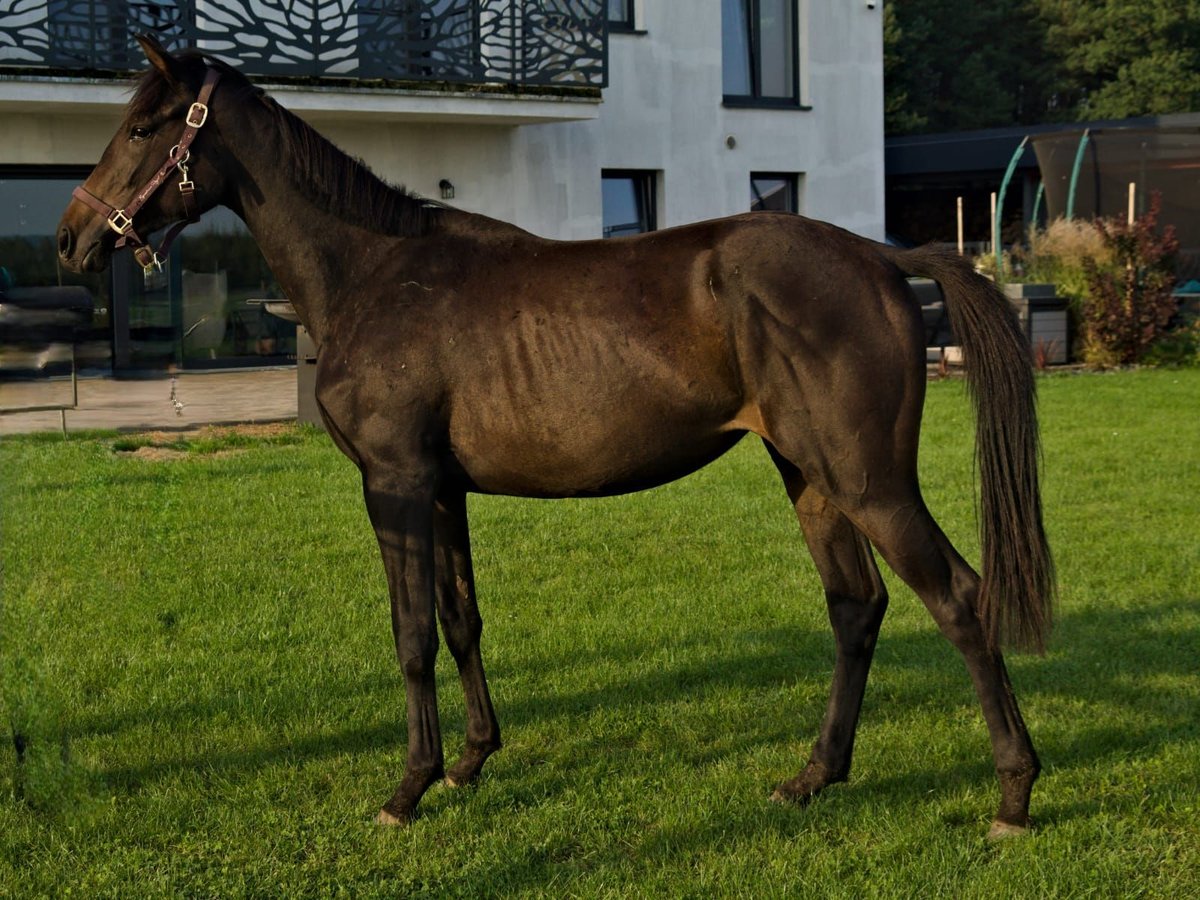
121	220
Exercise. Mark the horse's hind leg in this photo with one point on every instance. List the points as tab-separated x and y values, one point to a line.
462	627
857	600
915	547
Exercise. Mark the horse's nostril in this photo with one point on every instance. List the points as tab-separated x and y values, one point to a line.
65	241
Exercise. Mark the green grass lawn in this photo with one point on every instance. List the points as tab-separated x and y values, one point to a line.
198	653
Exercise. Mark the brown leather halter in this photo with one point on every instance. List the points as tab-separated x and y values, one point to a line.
121	220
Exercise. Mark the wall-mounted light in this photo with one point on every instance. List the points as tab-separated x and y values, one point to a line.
446	188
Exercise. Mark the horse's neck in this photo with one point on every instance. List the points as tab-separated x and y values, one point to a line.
314	254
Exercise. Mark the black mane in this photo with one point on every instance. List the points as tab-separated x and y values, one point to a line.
337	182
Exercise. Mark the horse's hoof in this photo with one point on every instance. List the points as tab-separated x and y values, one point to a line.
387	818
467	770
790	797
1003	830
800	790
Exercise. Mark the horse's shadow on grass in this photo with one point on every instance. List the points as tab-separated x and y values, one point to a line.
790	664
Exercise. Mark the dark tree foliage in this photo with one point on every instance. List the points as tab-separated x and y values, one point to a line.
953	65
1122	58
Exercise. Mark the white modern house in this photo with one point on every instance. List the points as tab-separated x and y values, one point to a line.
575	119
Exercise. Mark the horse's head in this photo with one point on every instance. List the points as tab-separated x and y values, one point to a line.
146	148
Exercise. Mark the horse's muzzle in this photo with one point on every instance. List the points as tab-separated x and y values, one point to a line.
83	249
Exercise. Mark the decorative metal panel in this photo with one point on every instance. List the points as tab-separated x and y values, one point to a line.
533	42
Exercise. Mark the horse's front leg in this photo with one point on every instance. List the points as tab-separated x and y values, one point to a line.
400	505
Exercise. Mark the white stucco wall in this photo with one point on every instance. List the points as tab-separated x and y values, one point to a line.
662	111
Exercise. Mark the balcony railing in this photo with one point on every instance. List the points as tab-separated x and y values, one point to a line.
514	42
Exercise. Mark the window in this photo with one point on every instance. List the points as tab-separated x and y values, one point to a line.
620	15
36	345
629	206
191	313
774	191
759	52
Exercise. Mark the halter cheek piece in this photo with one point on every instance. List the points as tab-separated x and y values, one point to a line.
121	220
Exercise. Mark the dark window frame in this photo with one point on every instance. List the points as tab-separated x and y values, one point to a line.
755	98
791	179
646	183
626	25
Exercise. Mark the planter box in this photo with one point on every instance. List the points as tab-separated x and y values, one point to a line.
1043	317
306	379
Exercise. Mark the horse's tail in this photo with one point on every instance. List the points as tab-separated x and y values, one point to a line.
1017	587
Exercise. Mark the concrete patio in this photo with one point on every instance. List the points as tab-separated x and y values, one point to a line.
218	398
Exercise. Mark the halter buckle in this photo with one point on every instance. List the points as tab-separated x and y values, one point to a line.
148	259
119	222
197	114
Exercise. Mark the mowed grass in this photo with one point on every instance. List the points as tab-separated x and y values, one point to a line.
197	655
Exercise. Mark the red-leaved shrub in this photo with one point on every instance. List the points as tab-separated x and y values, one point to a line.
1129	303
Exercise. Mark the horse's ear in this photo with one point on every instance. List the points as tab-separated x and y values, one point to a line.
160	57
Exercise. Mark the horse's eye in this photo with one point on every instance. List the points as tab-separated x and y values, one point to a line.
138	133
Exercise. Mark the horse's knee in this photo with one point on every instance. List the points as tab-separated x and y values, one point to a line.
417	654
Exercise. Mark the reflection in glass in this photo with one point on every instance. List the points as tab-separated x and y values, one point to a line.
773	192
628	201
220	268
735	48
776	59
29	273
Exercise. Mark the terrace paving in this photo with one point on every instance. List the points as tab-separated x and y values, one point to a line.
214	398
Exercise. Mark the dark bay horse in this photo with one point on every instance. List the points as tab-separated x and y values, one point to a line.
458	353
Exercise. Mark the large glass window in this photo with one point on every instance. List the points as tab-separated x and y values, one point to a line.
220	268
193	313
628	197
36	338
776	191
759	52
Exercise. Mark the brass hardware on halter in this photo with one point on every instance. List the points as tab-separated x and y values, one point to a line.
148	259
197	109
119	222
185	183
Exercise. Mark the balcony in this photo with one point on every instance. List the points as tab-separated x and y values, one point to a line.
544	46
505	62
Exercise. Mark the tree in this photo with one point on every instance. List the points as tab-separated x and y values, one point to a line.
1121	58
955	64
